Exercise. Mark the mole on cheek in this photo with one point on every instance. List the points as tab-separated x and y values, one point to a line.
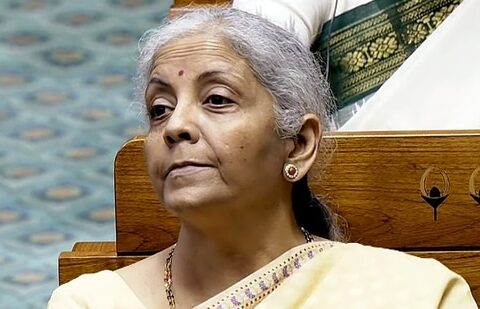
180	73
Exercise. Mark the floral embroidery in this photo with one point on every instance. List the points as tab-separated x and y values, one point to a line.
275	279
263	286
249	293
296	263
256	289
235	301
383	47
285	272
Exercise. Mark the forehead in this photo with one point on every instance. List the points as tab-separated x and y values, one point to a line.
198	51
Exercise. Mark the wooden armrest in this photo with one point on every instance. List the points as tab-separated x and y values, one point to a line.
91	257
94	246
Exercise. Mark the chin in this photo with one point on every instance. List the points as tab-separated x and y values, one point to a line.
192	199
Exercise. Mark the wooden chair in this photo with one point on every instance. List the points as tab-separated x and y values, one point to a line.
381	183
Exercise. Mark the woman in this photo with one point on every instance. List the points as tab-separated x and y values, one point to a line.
236	107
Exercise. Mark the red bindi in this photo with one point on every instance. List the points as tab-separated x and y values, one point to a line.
180	73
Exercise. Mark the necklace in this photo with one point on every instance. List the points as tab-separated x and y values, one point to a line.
167	276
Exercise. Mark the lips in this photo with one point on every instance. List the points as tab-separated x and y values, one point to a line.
178	165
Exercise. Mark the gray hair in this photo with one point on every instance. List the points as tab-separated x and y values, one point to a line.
280	62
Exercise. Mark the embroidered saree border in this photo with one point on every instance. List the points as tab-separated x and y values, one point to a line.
370	42
253	289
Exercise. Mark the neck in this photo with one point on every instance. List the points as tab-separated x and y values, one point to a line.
207	261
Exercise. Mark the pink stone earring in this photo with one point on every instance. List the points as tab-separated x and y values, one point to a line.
290	171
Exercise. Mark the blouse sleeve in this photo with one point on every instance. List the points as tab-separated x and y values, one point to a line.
303	17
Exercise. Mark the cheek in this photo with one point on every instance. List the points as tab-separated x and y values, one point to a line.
148	149
249	156
235	148
152	149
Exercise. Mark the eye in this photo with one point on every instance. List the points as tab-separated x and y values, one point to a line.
159	111
218	100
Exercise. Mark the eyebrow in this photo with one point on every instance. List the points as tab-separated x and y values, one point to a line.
209	74
214	74
205	76
158	81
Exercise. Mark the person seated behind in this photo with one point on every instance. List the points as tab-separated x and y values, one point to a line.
237	107
383	62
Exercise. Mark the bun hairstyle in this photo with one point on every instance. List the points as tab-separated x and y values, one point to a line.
281	63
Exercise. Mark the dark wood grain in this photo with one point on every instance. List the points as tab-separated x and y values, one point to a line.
183	3
137	206
181	7
373	181
89	258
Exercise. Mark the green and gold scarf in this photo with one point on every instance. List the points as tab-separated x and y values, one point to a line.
369	42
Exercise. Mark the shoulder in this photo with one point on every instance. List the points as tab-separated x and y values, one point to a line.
104	289
145	277
368	254
149	267
385	261
149	270
402	274
94	282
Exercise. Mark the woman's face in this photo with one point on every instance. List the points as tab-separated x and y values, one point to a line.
212	139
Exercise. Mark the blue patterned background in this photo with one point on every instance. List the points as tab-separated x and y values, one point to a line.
65	93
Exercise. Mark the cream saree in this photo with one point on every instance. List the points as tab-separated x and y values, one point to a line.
255	288
314	275
337	275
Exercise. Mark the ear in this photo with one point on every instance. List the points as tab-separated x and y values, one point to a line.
306	144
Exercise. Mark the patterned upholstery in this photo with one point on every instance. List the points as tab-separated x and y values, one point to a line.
65	93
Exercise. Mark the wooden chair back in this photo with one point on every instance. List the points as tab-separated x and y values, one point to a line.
373	180
181	6
381	183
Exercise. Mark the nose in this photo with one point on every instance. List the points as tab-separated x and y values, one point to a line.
181	126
